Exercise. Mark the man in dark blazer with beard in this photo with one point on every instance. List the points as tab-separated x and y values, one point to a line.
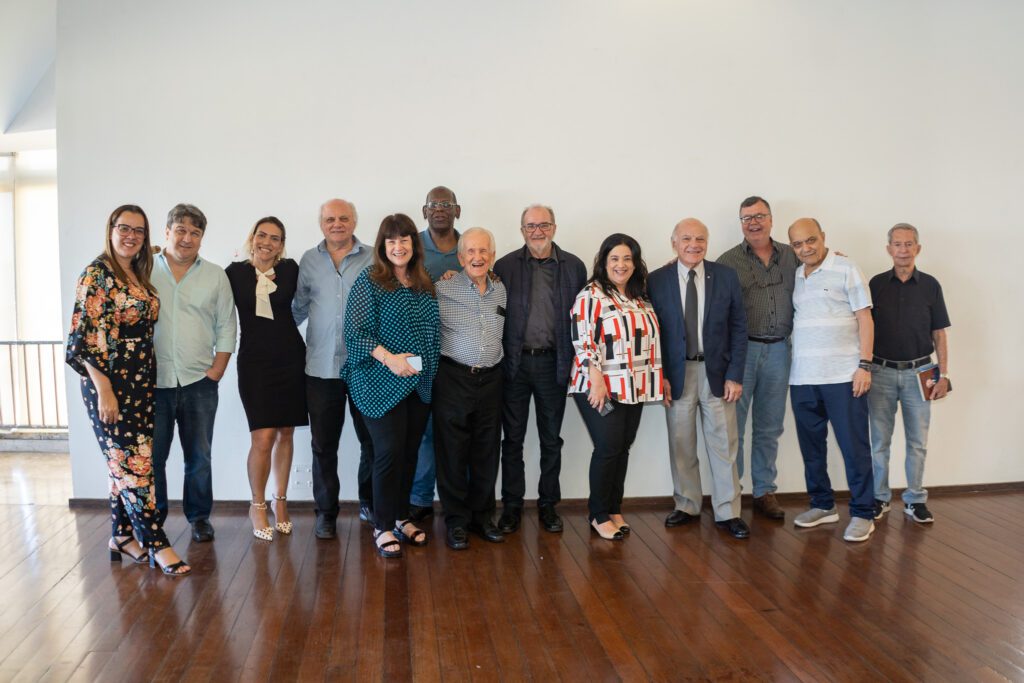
704	347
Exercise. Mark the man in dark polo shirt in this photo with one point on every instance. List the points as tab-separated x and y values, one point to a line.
910	323
766	270
542	282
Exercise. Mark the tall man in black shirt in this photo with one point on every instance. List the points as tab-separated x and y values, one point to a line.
910	323
542	282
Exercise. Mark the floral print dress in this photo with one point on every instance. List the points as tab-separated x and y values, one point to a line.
112	330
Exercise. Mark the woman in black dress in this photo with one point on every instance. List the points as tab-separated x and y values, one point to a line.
111	347
271	367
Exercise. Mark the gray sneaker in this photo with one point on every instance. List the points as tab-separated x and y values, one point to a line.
858	529
816	516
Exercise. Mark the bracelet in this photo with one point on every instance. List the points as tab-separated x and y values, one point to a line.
864	365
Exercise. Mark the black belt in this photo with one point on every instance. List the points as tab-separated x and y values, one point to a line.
537	352
699	358
766	340
901	364
471	369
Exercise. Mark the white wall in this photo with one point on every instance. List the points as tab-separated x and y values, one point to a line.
625	116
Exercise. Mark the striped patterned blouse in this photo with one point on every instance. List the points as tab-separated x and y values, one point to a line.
623	336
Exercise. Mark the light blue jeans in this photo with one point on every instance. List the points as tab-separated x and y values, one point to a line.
889	387
765	387
423	480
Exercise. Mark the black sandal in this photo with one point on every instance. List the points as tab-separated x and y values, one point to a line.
388	549
116	553
171	569
411	539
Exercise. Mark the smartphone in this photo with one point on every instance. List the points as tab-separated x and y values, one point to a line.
606	408
416	362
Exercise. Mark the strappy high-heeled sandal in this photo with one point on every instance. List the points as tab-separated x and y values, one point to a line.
117	550
267	532
390	548
284	527
171	569
416	536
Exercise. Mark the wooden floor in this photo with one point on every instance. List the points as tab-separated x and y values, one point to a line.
915	603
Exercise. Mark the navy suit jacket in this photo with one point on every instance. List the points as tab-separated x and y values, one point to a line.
725	325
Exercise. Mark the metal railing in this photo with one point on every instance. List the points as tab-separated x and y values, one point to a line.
32	385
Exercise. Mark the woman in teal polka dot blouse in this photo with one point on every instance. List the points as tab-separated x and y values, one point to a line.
392	333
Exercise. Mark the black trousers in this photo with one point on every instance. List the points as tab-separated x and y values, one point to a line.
467	433
613	435
325	399
535	377
396	442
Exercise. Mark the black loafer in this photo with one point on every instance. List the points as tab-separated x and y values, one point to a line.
509	521
418	513
202	531
549	519
326	527
679	518
487	531
736	527
366	513
456	538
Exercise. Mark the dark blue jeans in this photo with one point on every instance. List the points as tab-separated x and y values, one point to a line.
814	407
535	377
193	407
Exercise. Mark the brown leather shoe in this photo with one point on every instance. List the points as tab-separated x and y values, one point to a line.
768	507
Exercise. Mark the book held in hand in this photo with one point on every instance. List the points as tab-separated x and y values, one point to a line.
927	377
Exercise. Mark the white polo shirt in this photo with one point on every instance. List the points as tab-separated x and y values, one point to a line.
826	343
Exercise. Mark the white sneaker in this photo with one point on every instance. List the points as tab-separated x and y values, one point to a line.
816	516
858	529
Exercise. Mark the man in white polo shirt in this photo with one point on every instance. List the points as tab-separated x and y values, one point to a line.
833	335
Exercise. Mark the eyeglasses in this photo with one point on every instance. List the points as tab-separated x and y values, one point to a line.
759	217
125	230
534	227
441	205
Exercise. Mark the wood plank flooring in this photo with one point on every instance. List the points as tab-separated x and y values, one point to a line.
915	603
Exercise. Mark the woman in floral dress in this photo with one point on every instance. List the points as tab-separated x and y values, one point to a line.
111	347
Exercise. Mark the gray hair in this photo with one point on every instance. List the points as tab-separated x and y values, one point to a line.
182	211
355	214
551	212
477	231
903	226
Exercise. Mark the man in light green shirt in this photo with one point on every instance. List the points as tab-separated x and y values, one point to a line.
194	338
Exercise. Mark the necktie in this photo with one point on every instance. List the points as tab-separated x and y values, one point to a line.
690	316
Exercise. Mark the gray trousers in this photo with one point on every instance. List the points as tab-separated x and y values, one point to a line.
718	427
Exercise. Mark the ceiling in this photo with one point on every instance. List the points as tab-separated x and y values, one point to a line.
28	51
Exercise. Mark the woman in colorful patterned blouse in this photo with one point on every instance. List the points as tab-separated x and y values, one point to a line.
392	333
111	347
616	370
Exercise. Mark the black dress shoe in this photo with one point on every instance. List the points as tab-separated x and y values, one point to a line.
418	513
487	531
509	521
202	531
456	538
366	513
679	518
549	519
735	526
326	527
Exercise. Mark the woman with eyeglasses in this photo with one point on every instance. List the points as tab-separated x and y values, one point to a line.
616	371
111	347
271	368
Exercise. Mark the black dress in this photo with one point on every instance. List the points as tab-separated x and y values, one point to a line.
271	355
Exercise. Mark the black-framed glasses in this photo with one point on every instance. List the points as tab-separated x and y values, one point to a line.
759	217
125	230
441	205
534	227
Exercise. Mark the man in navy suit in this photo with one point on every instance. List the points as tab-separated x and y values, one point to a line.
704	347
